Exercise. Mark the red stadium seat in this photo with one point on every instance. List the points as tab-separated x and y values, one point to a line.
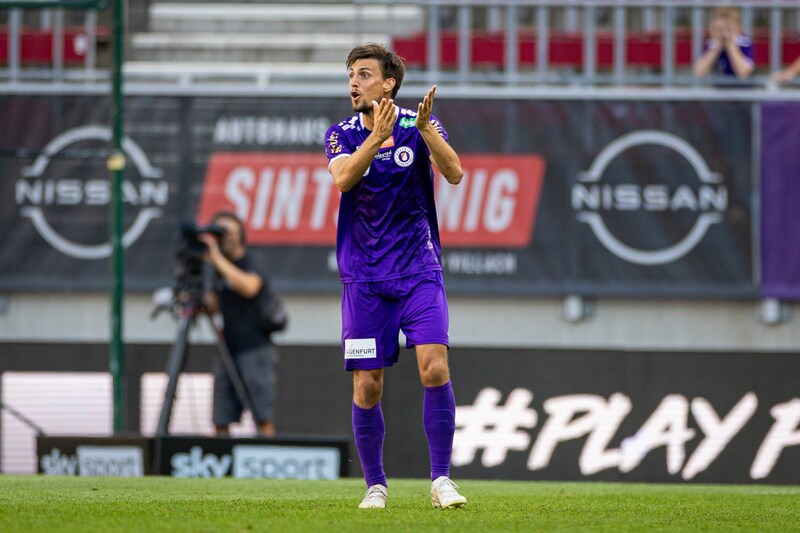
37	45
643	49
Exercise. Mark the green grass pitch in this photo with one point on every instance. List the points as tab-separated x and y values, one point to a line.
37	503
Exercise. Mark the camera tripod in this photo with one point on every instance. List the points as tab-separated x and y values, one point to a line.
187	317
22	418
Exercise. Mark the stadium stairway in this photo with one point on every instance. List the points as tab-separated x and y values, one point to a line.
200	40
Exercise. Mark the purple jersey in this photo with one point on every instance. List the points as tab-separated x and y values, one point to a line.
722	66
387	222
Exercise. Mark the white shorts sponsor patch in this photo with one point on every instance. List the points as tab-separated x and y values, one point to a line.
360	349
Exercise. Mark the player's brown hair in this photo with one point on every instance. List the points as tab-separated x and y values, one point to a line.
391	64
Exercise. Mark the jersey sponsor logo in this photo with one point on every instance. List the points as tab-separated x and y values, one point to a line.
290	198
407	122
360	349
388	143
404	156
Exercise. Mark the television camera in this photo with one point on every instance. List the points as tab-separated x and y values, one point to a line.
189	280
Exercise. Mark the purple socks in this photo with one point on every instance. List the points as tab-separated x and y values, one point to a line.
369	430
439	419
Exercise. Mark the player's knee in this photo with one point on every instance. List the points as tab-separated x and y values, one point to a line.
434	374
368	388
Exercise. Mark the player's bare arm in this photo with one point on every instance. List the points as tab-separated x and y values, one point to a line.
348	171
442	154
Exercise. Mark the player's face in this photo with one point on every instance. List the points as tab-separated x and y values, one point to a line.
366	84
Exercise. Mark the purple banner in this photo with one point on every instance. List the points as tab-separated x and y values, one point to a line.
780	196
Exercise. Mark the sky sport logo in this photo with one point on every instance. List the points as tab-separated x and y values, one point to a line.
46	186
104	461
259	462
598	199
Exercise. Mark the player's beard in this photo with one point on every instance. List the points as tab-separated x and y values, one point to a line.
363	107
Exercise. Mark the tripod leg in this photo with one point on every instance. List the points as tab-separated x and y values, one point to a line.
233	372
177	360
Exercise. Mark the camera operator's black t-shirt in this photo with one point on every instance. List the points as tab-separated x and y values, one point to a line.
240	315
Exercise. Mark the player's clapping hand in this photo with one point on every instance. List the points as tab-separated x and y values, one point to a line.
384	115
424	110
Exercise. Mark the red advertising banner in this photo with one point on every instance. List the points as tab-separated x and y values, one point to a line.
289	198
495	204
283	198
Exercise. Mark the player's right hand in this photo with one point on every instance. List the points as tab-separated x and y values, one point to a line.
384	115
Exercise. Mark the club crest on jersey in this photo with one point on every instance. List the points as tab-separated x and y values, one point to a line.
404	156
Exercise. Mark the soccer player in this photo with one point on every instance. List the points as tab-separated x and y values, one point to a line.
387	249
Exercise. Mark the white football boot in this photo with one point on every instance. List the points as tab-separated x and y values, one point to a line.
375	498
444	494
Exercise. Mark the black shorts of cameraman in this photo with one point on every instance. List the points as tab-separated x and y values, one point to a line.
258	370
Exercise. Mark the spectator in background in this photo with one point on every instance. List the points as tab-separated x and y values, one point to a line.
787	74
727	52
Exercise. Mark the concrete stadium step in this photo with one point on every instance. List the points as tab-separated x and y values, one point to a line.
260	74
206	47
283	18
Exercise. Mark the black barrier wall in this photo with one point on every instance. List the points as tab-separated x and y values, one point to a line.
535	414
559	197
281	457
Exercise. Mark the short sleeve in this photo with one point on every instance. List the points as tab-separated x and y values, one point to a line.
747	50
336	144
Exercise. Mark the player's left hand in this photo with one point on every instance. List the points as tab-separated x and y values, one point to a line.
424	110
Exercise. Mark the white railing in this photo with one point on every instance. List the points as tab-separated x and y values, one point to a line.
598	27
540	44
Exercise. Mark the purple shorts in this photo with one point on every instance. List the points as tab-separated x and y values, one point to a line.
374	312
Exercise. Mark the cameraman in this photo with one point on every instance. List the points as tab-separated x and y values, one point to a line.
235	295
